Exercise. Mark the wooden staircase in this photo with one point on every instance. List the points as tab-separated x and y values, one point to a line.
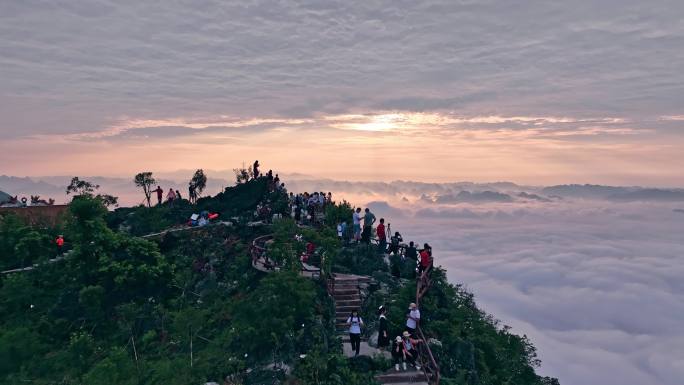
345	291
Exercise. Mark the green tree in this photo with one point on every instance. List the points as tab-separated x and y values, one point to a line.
199	180
81	187
84	188
117	368
18	347
243	174
145	180
265	337
32	247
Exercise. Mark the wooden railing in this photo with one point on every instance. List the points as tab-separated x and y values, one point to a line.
257	250
428	363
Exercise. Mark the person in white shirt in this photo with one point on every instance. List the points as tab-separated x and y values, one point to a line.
412	319
356	217
355	323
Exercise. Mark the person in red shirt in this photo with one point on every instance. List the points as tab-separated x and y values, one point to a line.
60	244
425	258
382	236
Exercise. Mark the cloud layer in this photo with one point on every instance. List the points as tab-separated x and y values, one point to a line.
597	287
584	91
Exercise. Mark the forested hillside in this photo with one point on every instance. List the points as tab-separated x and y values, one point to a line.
188	307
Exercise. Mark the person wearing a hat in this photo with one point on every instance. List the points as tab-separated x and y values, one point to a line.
355	323
398	353
409	347
412	318
383	333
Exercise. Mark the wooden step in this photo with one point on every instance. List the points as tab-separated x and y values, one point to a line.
346	297
348	302
346	291
346	287
409	376
339	308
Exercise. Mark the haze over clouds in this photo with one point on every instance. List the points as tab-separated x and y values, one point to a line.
595	284
535	92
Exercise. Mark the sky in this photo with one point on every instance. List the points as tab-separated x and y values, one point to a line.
535	92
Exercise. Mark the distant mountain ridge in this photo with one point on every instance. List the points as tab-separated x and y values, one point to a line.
427	192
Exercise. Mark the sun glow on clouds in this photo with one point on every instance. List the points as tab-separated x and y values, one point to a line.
392	121
125	124
477	147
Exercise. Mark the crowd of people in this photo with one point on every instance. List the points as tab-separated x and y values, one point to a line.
362	228
403	347
308	208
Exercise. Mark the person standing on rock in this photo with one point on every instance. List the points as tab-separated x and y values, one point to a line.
160	194
368	221
255	169
192	195
412	318
382	236
356	221
355	323
383	333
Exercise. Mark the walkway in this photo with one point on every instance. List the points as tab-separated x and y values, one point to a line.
261	262
35	265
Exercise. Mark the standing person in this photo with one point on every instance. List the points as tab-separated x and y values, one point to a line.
425	258
345	233
342	231
255	169
410	352
382	236
178	196
412	318
411	252
368	221
191	193
171	196
160	194
397	352
355	323
383	333
60	244
394	243
298	213
356	221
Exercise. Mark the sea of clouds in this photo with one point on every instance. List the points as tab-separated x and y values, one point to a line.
595	282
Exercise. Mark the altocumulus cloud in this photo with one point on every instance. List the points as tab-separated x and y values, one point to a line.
104	59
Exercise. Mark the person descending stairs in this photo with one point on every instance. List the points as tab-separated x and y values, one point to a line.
347	299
